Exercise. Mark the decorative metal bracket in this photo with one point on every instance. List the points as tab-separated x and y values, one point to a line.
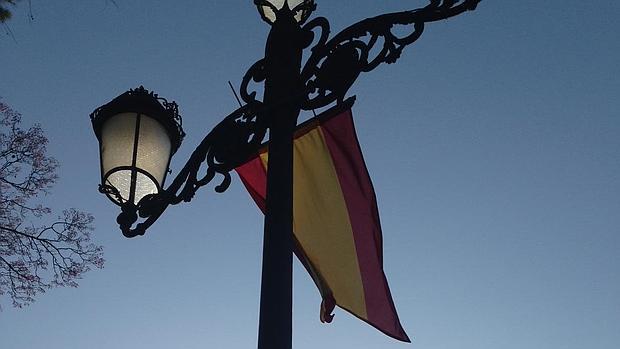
227	146
329	72
335	64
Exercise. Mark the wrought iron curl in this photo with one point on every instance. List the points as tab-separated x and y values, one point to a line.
335	64
257	74
111	191
227	146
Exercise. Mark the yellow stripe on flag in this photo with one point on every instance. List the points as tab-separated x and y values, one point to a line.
335	219
327	238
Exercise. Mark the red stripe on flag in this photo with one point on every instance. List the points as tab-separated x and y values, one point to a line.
340	137
254	176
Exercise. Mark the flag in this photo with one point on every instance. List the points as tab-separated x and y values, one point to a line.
335	219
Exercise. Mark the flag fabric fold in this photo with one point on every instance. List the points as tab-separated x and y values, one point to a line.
336	224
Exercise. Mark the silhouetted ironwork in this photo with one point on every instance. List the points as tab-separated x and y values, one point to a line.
327	75
232	141
288	87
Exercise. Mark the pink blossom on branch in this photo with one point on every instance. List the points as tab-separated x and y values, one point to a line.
36	257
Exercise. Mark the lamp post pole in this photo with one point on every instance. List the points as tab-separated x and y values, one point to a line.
330	70
282	66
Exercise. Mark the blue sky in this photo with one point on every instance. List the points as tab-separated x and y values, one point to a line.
492	144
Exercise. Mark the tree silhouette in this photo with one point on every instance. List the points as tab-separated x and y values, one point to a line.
5	9
36	256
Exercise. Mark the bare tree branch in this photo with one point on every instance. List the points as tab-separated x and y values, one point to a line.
34	258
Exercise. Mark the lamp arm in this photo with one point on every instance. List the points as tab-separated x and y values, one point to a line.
255	73
335	64
329	72
227	146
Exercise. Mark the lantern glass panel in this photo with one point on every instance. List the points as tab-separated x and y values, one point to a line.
117	138
121	180
153	149
152	155
144	186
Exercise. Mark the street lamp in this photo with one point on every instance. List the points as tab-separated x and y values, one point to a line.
138	133
133	171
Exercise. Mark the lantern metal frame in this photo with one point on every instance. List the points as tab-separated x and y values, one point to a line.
142	103
289	87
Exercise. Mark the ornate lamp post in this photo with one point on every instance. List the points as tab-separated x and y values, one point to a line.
138	131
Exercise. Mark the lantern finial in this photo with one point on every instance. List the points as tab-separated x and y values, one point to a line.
271	9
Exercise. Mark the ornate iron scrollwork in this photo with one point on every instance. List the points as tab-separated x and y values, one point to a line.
334	65
227	146
257	74
327	75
